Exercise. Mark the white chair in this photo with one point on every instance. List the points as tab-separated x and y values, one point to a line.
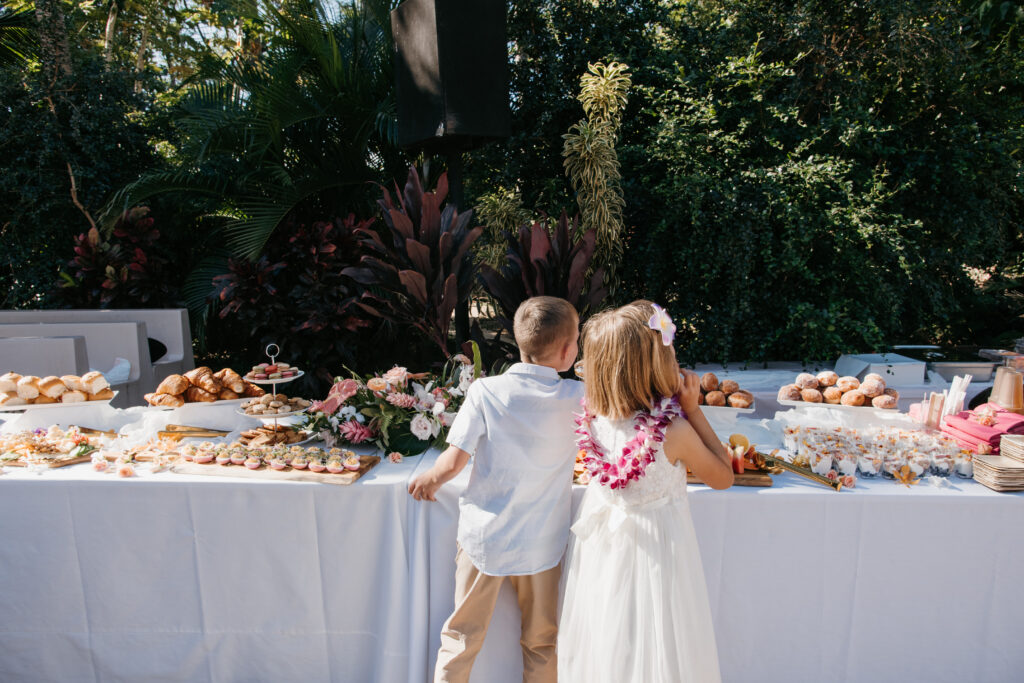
42	356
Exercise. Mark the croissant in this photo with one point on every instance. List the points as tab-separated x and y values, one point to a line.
252	390
203	378
173	384
197	395
164	400
231	380
227	395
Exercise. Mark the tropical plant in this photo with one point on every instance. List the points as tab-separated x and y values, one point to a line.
501	211
17	39
592	163
549	262
422	262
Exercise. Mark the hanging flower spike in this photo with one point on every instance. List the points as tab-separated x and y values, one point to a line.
661	322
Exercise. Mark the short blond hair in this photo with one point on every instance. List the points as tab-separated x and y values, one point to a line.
542	323
626	366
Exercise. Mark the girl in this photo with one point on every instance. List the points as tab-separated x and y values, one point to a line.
636	606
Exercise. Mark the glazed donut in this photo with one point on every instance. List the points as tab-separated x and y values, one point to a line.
811	395
847	383
715	398
806	380
790	392
884	401
853	398
827	379
729	386
872	387
709	382
741	399
832	395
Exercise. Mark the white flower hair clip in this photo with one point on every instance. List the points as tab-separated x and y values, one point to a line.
662	322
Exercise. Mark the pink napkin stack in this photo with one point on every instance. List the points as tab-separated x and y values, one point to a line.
969	433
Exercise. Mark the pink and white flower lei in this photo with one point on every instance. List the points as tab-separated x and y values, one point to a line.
638	452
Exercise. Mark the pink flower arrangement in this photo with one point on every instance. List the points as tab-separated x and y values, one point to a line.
396	377
353	432
401	400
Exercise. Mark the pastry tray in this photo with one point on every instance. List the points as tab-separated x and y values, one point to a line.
838	406
204	404
272	416
58	404
279	380
710	411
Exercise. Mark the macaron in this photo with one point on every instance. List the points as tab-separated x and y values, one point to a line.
261	375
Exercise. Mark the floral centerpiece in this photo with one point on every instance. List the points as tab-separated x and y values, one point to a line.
398	411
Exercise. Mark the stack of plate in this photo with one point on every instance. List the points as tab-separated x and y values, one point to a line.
1012	446
999	472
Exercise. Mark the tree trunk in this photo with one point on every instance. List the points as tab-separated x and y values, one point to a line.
108	36
140	58
54	50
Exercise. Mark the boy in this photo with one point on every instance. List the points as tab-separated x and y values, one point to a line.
514	516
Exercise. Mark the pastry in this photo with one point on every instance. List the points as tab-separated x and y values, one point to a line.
741	399
231	380
94	382
198	395
872	387
165	400
715	398
853	398
884	401
847	383
892	392
227	395
729	386
811	395
790	392
709	382
28	387
252	390
203	378
832	395
9	382
74	397
173	384
9	398
104	395
874	376
827	379
72	382
806	380
51	387
43	399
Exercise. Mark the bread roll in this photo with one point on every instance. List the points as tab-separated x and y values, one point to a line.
72	382
853	398
729	386
227	395
167	400
884	401
197	395
203	378
811	395
715	398
43	399
11	398
789	392
832	395
173	384
806	380
872	387
73	397
741	399
9	383
52	387
231	380
93	382
28	387
827	379
253	390
709	382
104	395
847	383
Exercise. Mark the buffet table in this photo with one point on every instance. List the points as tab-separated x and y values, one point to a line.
879	583
200	578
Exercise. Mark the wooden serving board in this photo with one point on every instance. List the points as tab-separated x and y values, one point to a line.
745	479
241	472
54	464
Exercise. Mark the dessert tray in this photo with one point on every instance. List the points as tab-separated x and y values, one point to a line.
367	462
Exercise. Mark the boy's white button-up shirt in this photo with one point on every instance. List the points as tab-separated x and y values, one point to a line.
515	514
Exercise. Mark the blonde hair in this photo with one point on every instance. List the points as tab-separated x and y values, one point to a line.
625	364
541	323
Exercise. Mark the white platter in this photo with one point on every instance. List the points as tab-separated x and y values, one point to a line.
839	406
58	404
726	410
204	404
279	380
274	416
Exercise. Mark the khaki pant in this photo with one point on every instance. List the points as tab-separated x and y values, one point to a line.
475	596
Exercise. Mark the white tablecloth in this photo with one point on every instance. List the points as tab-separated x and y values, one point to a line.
167	577
879	583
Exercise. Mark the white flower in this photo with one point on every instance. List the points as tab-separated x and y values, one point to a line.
435	427
334	421
447	419
425	399
465	379
438	408
421	427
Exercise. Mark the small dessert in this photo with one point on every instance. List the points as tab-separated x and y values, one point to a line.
832	395
238	456
884	402
811	395
872	387
204	456
715	398
278	462
789	392
892	392
299	462
827	378
942	464
869	464
740	399
335	465
963	464
709	382
224	457
188	452
729	386
806	380
352	461
253	462
316	464
853	398
847	383
875	376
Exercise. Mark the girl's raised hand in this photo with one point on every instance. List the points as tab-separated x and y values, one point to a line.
688	391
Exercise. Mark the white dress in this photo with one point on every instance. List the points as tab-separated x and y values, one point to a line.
636	607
